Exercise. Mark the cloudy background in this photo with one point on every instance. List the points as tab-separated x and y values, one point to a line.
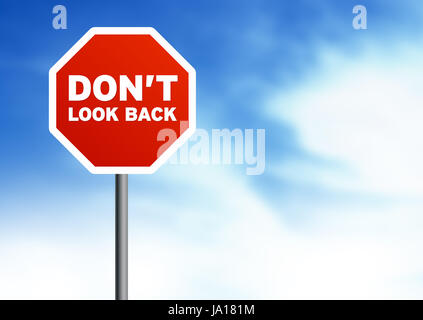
338	212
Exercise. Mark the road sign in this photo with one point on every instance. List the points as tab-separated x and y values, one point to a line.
122	100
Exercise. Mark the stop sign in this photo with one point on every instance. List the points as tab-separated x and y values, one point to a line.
122	100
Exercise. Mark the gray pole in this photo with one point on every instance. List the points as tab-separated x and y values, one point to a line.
121	237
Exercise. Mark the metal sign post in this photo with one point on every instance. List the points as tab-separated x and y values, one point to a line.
149	96
121	237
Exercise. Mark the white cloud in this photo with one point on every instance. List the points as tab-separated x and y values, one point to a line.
366	115
37	267
238	247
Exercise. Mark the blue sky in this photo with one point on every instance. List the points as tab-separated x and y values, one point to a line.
336	212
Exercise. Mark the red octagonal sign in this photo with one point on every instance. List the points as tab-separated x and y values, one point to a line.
122	100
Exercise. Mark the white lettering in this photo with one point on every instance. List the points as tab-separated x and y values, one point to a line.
154	114
167	80
98	114
144	115
86	117
71	116
86	88
126	85
97	87
111	113
169	114
131	114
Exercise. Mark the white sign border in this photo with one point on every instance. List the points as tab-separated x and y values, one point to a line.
191	101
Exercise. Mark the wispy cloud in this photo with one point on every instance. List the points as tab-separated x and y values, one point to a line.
362	114
336	214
